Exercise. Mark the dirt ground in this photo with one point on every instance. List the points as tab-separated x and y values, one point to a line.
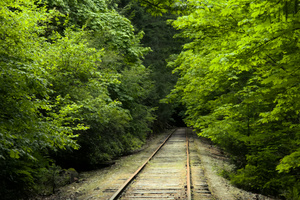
97	184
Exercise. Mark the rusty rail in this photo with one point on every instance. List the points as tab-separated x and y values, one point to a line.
123	187
188	171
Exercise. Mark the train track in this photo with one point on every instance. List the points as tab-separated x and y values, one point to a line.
171	172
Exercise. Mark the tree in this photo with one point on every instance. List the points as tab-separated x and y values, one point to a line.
56	89
158	35
238	82
123	79
31	124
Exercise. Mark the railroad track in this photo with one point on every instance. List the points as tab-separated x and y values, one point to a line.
171	172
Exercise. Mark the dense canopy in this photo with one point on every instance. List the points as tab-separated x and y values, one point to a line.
80	85
239	80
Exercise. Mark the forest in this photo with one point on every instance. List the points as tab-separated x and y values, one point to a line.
83	82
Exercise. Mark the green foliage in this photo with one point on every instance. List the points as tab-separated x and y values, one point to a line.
26	131
160	7
289	162
158	36
57	84
238	81
102	74
293	193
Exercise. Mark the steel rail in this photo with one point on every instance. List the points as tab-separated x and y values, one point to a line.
123	187
188	171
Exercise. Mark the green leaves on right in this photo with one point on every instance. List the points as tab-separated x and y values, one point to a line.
240	84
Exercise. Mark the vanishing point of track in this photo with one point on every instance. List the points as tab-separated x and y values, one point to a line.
168	173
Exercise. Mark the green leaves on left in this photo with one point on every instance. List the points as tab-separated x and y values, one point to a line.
72	86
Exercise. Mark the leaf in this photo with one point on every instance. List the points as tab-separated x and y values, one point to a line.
14	154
